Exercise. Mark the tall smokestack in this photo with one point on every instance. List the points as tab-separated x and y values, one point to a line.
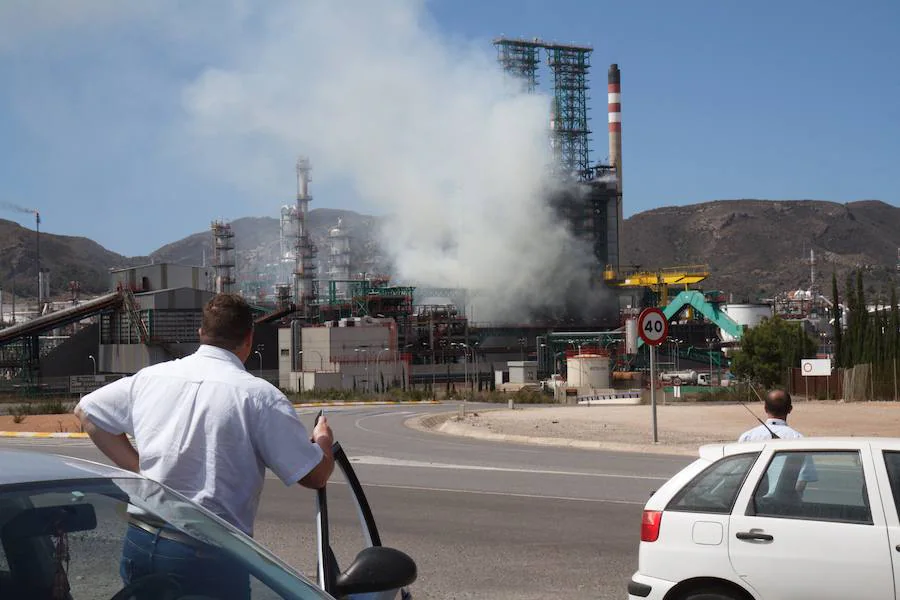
614	107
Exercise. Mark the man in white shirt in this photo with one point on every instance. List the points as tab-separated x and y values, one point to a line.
207	428
778	406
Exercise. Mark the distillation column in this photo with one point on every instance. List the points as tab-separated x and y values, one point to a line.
304	251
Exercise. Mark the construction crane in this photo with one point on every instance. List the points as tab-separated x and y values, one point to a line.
658	281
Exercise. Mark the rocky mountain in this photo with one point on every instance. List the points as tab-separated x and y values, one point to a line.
65	258
757	248
753	248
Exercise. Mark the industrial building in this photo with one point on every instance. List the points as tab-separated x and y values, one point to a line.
324	323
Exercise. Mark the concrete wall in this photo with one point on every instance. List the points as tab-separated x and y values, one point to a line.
174	298
522	371
161	276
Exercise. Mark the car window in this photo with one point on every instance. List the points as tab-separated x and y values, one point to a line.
818	485
892	463
714	489
72	535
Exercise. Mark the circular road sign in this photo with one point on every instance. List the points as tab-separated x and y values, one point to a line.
653	326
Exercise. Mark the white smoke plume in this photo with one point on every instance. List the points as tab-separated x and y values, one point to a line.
426	130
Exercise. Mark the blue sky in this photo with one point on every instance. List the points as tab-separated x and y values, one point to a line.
117	122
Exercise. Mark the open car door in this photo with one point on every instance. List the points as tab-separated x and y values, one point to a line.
377	572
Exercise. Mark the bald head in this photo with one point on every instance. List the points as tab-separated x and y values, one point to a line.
778	404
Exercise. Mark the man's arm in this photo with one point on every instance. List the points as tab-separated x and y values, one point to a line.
116	447
324	438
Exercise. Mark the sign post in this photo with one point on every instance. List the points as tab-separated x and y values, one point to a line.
815	367
653	327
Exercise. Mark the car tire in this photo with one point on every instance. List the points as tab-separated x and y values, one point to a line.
710	594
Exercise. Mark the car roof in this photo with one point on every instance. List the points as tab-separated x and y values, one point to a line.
715	451
27	466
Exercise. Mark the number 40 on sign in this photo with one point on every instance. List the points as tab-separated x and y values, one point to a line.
653	327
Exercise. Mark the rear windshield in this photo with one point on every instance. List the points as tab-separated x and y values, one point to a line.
715	488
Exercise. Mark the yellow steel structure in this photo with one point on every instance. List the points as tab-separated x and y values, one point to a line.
659	280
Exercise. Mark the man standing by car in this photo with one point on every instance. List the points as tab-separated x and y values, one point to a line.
207	428
778	406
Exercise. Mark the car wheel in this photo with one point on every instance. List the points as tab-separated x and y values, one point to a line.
710	594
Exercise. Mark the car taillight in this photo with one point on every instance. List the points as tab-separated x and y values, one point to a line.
650	521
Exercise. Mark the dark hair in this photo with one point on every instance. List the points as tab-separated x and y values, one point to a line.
227	319
778	403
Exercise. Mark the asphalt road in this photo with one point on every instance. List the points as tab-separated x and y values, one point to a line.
481	519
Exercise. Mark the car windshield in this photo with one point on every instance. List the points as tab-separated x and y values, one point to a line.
63	540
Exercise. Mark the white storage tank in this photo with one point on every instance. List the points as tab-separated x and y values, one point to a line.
587	371
750	315
631	336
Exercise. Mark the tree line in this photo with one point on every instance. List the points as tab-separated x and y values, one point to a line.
866	337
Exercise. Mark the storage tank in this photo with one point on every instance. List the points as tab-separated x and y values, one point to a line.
750	315
631	336
588	371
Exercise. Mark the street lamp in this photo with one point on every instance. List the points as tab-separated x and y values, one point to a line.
377	368
466	350
259	354
366	350
321	358
94	362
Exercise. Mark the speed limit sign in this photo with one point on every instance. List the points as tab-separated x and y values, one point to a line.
653	326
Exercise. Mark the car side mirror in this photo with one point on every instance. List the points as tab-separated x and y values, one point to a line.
376	569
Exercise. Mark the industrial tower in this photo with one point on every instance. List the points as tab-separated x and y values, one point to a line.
304	249
223	257
569	119
594	212
520	59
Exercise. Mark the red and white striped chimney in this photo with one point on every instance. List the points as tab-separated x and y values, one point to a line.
615	122
615	145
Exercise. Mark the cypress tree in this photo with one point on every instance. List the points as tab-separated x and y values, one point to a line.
849	358
836	321
862	320
894	327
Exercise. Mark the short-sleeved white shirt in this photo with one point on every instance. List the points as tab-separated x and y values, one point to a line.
208	429
780	428
777	426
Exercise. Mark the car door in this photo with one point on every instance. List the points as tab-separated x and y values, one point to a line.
827	541
383	564
887	466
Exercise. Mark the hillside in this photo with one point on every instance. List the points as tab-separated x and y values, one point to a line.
67	258
754	248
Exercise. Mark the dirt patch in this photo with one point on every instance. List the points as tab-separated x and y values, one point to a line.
680	426
65	423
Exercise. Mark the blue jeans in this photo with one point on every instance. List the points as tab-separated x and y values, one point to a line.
198	570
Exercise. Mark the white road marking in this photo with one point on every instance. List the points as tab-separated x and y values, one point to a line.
510	494
396	462
478	492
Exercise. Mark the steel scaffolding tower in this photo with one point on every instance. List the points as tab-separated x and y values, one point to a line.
223	257
569	119
570	65
520	58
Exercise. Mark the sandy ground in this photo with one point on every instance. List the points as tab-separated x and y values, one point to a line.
680	428
67	423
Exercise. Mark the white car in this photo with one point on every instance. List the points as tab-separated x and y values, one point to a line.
63	521
813	518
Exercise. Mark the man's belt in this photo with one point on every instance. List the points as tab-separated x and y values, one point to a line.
165	532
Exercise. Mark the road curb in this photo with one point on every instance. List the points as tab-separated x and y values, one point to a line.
357	403
443	424
43	434
60	435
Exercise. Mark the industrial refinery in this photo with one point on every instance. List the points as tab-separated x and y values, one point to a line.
324	323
